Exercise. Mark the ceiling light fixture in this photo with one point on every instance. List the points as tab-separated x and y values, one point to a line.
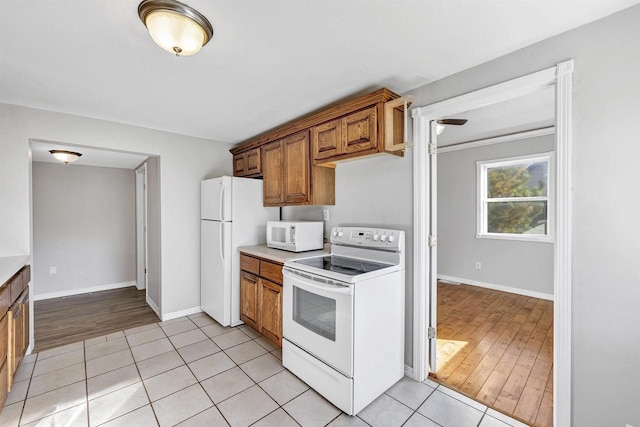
65	156
175	27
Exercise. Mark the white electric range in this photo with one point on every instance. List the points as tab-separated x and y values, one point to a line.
343	316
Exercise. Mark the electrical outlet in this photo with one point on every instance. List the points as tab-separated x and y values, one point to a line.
629	425
325	214
53	270
478	265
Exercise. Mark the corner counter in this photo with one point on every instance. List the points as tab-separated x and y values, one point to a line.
280	256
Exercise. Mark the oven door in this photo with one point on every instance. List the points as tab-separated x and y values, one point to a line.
318	317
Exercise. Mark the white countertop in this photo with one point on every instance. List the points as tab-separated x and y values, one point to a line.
277	255
10	265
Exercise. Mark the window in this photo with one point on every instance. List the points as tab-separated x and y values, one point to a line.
514	198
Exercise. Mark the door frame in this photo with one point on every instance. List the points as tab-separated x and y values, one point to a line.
561	76
141	227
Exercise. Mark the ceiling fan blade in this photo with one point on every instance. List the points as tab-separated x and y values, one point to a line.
454	122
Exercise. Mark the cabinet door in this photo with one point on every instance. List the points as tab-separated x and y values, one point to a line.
326	140
271	311
4	385
273	173
296	168
249	308
360	131
252	162
239	164
4	338
25	326
15	326
247	163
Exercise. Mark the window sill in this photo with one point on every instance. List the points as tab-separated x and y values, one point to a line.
518	237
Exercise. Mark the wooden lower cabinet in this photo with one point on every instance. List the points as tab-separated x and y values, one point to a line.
271	311
249	292
14	328
261	296
4	385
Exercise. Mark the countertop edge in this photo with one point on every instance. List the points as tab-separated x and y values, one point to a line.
278	255
10	265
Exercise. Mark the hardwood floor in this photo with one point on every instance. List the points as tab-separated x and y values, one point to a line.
75	318
497	348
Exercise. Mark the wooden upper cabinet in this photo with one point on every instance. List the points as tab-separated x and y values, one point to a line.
296	169
352	135
248	163
326	140
297	158
273	173
359	131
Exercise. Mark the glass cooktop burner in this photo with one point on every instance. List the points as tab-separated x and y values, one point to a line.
348	266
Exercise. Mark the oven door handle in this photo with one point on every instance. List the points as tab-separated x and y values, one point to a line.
310	283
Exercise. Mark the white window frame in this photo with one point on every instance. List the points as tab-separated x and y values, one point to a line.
483	201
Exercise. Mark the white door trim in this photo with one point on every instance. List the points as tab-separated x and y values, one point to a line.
141	227
560	76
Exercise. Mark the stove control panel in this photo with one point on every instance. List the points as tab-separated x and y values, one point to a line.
379	238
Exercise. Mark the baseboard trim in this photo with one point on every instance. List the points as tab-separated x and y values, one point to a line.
408	371
154	307
495	287
181	313
61	294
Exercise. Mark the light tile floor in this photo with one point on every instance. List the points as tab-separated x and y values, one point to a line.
193	372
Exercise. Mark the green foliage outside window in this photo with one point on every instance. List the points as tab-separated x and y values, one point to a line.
517	217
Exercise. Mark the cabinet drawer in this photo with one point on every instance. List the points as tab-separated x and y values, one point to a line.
26	276
250	264
5	300
271	271
15	286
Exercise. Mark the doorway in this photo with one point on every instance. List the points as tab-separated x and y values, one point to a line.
141	227
425	222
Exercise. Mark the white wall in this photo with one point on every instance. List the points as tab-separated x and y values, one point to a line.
373	192
185	161
84	225
525	266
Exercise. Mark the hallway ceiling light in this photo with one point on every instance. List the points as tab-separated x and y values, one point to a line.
174	26
65	156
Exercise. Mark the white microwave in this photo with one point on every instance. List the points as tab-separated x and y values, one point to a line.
295	236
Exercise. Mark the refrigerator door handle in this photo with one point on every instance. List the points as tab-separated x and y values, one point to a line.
222	242
221	204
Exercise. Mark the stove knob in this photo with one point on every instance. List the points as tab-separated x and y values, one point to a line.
375	237
340	234
335	233
383	238
391	238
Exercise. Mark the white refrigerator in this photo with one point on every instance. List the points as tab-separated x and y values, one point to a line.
232	215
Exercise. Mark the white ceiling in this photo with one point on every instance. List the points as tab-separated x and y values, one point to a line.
90	156
533	111
269	61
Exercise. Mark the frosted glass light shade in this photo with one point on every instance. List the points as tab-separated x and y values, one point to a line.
175	33
65	156
174	26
